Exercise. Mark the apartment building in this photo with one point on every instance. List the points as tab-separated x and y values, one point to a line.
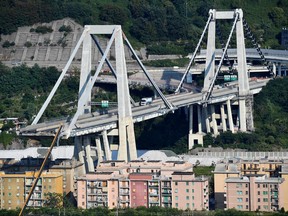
15	187
143	183
270	171
254	192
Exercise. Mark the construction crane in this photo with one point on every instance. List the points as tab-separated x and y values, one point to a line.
40	171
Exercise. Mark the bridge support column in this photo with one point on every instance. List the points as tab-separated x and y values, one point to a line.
190	139
194	138
207	121
125	121
214	122
279	70
199	116
79	154
210	55
106	145
99	150
87	144
223	118
230	119
243	81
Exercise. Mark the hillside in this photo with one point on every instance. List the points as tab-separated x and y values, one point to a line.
166	26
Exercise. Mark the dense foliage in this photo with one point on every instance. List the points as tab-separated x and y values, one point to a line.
23	91
139	211
166	26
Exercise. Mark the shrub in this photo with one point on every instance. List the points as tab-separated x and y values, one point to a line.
65	28
43	29
28	44
7	44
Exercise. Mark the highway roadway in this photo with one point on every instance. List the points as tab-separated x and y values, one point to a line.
95	122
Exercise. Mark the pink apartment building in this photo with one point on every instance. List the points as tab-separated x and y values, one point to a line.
143	183
254	192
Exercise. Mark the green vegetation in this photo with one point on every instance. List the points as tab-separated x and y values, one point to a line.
165	27
23	91
203	170
43	29
181	62
7	44
139	211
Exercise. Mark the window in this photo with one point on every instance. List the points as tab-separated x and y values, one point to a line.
239	200
192	183
193	205
187	183
265	207
17	180
83	203
192	190
265	192
50	187
246	192
176	190
9	187
258	192
9	194
239	192
187	205
49	180
187	197
247	207
83	196
258	185
187	190
265	199
145	197
238	185
113	189
176	197
192	197
176	183
9	180
247	200
176	204
239	206
258	199
246	186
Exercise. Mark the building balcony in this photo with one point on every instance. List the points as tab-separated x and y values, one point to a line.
164	192
124	193
275	204
250	169
154	201
124	186
154	194
167	201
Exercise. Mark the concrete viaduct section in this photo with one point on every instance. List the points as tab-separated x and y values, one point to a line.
125	129
207	118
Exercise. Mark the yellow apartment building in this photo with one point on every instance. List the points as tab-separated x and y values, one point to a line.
15	187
